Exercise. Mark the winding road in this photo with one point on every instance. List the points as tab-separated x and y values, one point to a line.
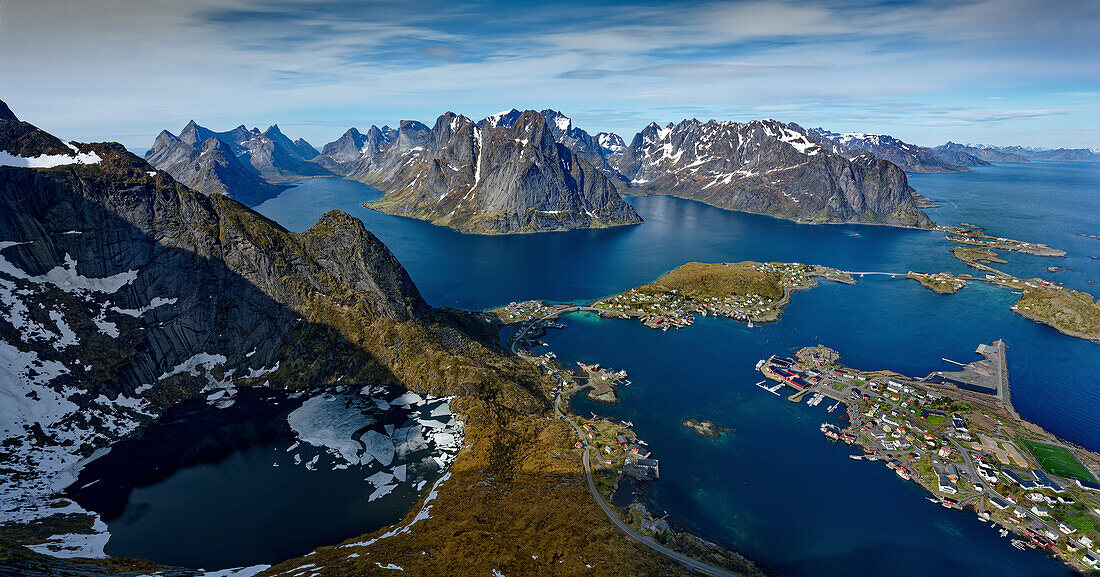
644	540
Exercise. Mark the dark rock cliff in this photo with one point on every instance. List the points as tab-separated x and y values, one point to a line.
209	276
499	179
768	167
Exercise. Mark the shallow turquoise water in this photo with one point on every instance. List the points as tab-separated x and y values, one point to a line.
776	488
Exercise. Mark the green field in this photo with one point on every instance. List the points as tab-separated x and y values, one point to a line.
1058	461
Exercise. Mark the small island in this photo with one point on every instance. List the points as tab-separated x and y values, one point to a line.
973	236
940	282
745	291
1071	312
705	427
969	254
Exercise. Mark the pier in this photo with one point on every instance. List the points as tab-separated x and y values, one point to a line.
773	390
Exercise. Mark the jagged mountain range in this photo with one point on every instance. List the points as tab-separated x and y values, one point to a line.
244	164
1022	153
432	173
767	167
801	181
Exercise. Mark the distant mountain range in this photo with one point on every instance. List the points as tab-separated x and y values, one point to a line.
909	157
241	163
1023	153
528	171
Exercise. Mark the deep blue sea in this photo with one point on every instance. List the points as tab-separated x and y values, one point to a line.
775	488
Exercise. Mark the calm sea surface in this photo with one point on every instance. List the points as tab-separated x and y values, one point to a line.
775	488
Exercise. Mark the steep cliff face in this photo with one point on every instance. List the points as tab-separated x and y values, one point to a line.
211	168
498	179
123	292
768	167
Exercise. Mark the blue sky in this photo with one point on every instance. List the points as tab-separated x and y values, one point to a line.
991	71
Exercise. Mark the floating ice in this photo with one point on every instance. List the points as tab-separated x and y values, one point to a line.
380	478
378	446
327	421
381	492
409	398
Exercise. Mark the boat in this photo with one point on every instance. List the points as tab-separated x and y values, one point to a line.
1018	544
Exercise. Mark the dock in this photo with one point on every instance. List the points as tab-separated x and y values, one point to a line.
773	390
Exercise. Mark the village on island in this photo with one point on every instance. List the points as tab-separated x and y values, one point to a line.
957	436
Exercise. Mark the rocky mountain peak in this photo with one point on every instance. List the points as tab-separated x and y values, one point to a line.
6	113
498	177
504	118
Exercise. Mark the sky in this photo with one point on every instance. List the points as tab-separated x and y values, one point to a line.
1002	72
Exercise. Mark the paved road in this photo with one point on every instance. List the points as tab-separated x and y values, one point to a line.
647	541
854	273
530	324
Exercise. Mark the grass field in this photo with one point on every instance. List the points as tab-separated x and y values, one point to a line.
1058	461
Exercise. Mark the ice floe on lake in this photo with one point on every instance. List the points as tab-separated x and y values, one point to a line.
327	421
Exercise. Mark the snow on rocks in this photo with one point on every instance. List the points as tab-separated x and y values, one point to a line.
156	302
48	160
66	278
236	572
32	404
84	545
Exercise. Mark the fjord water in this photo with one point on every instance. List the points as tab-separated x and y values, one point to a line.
775	488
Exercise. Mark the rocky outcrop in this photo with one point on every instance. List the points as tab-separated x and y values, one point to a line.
497	179
611	145
6	113
768	167
580	142
910	157
211	168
